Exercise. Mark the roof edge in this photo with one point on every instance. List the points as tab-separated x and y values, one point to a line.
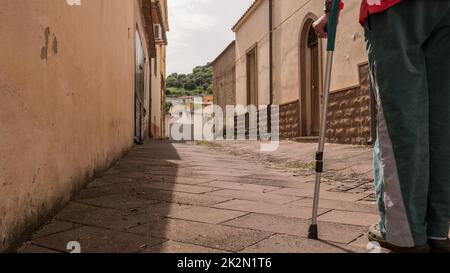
246	15
223	52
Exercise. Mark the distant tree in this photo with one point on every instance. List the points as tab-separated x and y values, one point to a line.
200	80
172	81
168	106
190	85
210	89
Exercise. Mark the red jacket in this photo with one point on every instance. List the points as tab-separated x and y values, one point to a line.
374	6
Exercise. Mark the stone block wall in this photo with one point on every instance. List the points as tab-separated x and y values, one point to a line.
350	114
290	120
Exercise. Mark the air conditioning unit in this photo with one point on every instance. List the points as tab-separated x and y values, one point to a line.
158	32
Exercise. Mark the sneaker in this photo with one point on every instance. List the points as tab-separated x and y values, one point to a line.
439	246
375	235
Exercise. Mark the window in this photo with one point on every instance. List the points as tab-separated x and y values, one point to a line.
252	77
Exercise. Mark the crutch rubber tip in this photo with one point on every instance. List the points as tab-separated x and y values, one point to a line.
313	232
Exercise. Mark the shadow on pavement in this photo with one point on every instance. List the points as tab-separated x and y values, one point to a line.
123	211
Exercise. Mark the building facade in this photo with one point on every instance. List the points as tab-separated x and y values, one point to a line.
279	60
224	78
157	122
76	93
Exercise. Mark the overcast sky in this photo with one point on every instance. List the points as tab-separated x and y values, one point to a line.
200	30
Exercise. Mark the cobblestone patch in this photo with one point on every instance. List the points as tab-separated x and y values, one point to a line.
341	180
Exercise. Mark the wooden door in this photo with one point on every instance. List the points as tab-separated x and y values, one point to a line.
313	45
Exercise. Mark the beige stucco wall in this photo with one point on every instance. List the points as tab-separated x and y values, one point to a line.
288	16
253	32
350	48
66	116
224	79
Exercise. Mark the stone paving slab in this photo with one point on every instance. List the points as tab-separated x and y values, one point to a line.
109	180
266	208
222	173
136	216
338	205
178	179
98	240
344	234
34	249
348	217
361	242
205	200
306	183
254	196
294	244
205	215
55	226
208	235
179	187
119	202
341	196
177	247
101	217
241	186
105	190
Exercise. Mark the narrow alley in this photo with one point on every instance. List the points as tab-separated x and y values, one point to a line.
197	197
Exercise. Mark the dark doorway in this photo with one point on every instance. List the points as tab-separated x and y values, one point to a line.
252	88
252	77
313	46
310	91
139	93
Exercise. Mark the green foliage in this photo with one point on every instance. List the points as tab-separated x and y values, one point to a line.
168	106
199	82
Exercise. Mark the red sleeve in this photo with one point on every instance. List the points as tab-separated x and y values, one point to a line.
364	12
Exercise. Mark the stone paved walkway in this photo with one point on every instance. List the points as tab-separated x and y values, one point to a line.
196	197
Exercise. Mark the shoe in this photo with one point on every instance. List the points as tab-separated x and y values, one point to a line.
439	246
375	235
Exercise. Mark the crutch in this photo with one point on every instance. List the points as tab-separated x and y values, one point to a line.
332	27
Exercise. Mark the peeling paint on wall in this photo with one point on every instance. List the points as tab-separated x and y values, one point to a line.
55	45
44	49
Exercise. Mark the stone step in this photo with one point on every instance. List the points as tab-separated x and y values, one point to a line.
312	139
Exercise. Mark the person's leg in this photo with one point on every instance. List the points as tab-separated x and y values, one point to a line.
437	51
398	66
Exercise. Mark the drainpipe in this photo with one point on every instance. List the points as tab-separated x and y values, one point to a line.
269	111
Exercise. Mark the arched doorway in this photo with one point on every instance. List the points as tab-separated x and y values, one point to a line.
310	87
